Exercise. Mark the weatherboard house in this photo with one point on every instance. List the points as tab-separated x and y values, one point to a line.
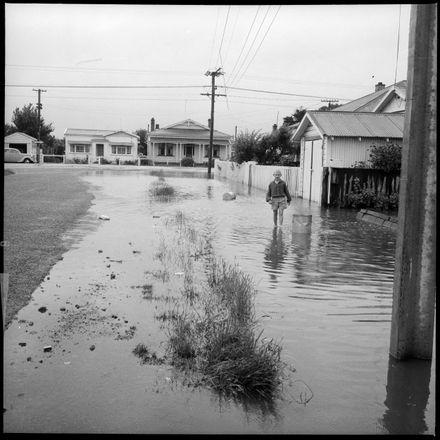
188	138
339	139
93	144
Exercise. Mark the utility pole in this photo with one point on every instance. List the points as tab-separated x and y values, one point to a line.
414	292
39	107
329	101
213	95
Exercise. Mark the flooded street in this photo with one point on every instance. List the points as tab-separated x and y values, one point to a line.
325	296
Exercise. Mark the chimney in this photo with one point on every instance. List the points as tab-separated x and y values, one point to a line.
379	86
152	124
209	123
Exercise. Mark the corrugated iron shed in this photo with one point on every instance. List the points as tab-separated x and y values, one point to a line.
357	124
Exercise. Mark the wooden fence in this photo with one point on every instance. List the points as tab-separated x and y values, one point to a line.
342	183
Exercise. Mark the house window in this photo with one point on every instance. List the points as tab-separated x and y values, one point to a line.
215	150
165	149
80	148
121	149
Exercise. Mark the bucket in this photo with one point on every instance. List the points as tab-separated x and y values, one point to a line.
301	224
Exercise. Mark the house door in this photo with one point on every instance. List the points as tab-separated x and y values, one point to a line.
189	150
312	170
307	170
99	150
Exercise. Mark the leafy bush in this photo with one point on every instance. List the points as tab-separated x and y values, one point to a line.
386	157
289	160
187	162
105	161
365	197
245	146
80	161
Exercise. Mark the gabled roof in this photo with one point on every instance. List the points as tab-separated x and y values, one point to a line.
374	101
21	134
188	129
95	132
353	124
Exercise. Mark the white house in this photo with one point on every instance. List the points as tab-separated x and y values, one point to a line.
188	138
22	142
91	144
334	139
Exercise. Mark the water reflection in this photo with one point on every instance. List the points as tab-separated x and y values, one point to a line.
407	396
301	244
275	254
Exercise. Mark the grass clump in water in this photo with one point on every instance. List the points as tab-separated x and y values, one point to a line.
216	338
147	356
161	188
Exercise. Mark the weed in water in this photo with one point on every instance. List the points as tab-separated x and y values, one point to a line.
147	357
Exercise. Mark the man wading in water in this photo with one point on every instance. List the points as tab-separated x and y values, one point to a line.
278	196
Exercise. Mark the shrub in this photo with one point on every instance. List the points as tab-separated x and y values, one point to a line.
245	146
187	162
289	160
386	157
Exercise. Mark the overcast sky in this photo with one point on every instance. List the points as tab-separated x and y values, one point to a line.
305	53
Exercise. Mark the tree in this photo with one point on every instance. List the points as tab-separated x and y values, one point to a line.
330	106
142	133
9	129
245	146
26	121
295	117
275	146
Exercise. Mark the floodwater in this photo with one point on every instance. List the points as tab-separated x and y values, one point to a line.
325	296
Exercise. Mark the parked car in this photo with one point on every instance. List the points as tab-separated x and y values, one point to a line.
14	155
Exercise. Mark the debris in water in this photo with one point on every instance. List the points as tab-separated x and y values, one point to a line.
229	196
22	344
112	276
66	363
42	309
179	273
47	348
104	217
92	347
156	216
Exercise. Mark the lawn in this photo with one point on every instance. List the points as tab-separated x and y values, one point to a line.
39	206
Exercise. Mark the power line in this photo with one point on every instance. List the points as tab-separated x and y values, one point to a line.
280	93
244	45
105	87
215	34
398	42
247	67
223	35
252	44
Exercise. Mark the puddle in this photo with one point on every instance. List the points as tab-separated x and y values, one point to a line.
326	296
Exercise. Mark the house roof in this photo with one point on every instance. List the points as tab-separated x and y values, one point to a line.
188	129
96	133
353	124
20	134
370	102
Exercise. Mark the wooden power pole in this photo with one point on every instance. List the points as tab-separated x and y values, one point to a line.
213	75
39	107
413	312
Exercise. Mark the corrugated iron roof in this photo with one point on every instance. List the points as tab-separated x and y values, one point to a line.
95	132
368	102
357	124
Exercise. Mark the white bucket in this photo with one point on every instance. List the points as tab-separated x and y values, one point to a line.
301	224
